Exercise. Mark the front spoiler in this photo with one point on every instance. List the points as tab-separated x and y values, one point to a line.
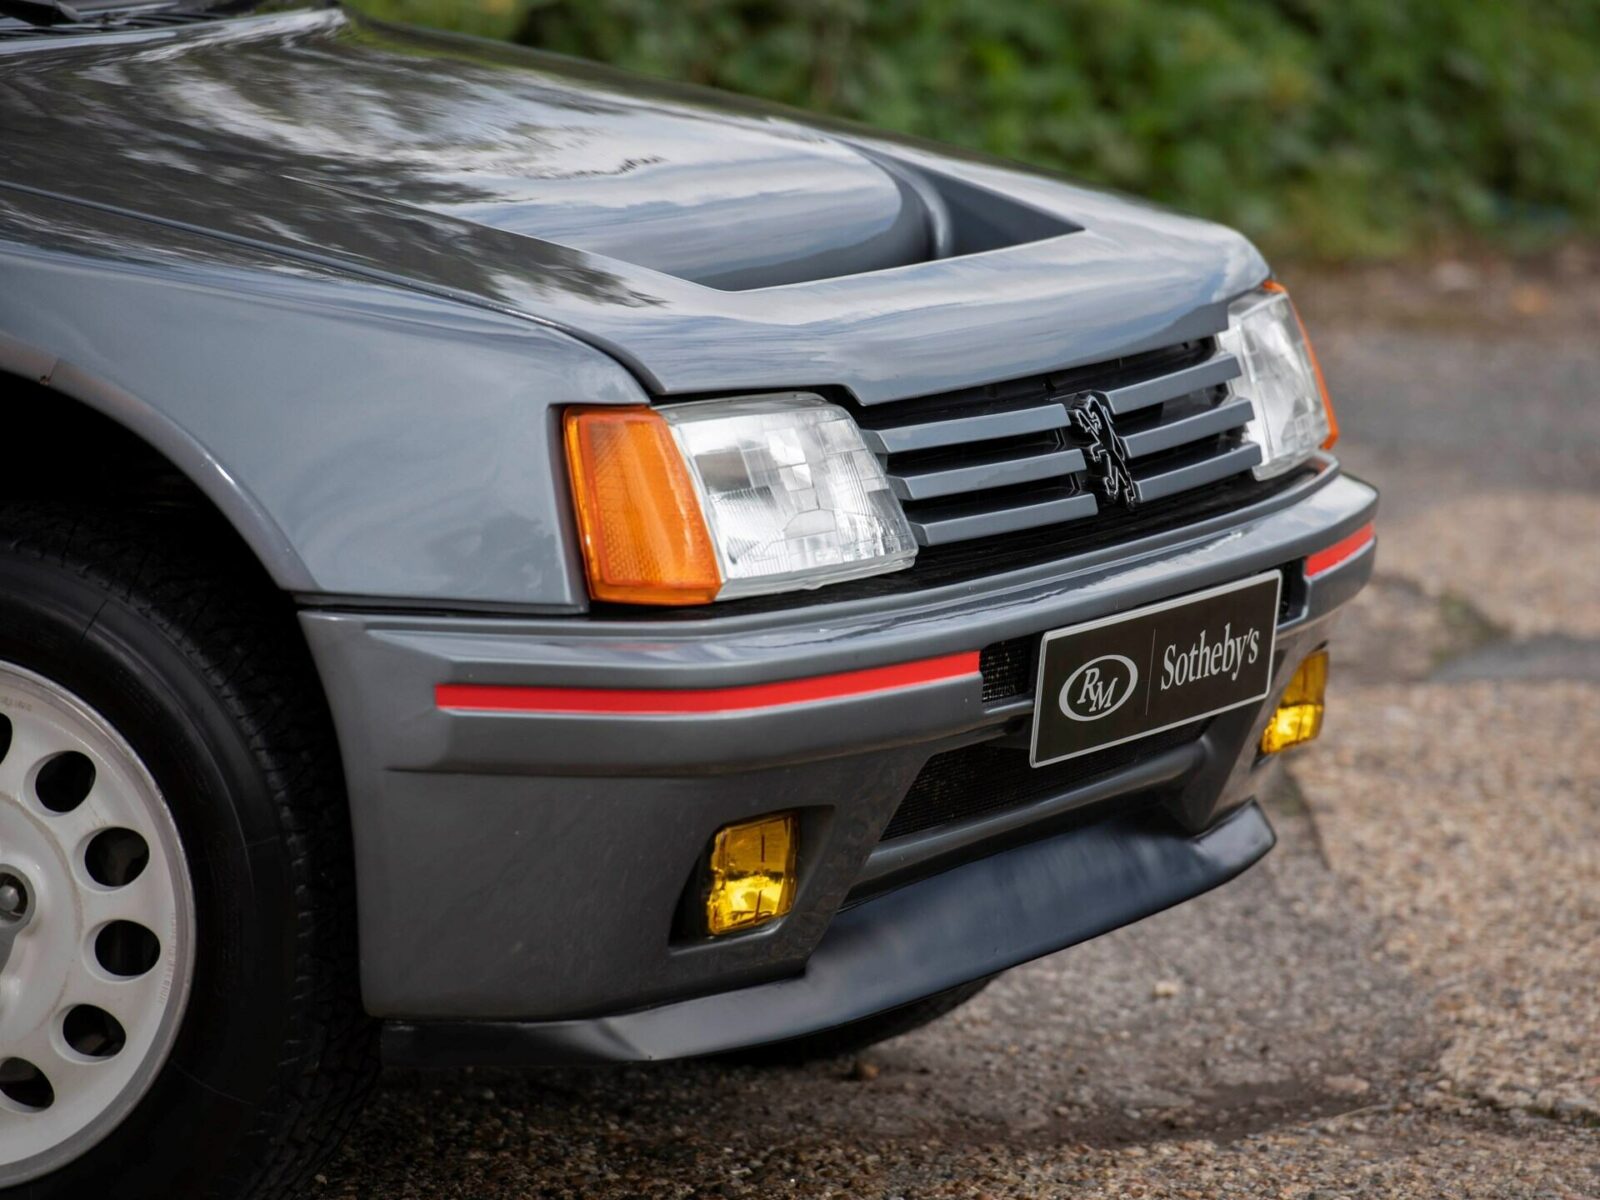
926	937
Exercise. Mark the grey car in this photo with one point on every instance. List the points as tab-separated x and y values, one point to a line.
506	562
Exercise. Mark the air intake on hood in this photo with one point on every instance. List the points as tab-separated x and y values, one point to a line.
754	209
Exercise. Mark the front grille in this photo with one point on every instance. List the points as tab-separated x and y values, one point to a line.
979	781
987	462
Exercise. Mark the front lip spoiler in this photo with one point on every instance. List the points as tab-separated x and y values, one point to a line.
966	923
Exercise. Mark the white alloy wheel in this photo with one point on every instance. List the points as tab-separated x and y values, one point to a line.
96	927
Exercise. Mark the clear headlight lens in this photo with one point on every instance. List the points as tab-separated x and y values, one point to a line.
1279	377
724	498
791	496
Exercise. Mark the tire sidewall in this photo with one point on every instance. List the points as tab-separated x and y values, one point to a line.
125	665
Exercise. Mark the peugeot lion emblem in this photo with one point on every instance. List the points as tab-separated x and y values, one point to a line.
1104	451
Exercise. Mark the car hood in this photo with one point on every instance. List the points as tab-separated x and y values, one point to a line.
709	243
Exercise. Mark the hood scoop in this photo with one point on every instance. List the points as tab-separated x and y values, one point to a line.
732	204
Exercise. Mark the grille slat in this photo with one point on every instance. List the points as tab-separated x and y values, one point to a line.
1158	483
954	481
1007	458
977	427
1230	414
1149	392
961	527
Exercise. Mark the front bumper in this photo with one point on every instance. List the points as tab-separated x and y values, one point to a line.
915	941
529	867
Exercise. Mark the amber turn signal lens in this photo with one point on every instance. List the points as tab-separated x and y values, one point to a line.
1272	285
752	873
644	536
1299	714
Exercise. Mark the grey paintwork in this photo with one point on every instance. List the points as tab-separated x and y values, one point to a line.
365	440
292	242
346	278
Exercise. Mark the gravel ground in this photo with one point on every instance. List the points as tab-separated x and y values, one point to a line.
1483	861
1403	999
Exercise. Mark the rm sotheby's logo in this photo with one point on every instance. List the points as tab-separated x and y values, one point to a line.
1099	687
1209	657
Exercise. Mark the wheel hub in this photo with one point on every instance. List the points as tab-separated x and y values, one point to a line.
15	903
13	898
96	927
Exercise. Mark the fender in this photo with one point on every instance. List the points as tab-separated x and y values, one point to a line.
367	442
253	523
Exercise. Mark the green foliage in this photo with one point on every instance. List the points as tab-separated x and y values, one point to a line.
1327	128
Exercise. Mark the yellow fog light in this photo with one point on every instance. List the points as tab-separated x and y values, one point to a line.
752	873
1299	715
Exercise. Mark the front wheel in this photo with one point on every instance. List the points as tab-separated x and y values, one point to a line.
179	1011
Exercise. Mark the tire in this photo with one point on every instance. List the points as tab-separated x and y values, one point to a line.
847	1040
158	629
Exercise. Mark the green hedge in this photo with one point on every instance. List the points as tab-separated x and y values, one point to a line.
1324	128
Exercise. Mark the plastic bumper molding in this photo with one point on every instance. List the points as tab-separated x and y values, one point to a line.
971	921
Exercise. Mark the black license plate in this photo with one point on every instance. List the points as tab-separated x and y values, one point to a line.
1110	681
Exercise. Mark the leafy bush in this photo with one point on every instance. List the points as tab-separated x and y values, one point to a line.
1326	128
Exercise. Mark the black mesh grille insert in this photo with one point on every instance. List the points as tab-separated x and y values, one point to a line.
978	781
1008	668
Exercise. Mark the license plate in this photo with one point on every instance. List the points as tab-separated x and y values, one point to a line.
1110	681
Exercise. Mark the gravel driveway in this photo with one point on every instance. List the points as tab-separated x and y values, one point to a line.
1402	1000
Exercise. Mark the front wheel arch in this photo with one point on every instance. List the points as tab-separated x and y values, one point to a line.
51	402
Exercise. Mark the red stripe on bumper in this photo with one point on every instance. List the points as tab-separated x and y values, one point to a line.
471	697
1341	551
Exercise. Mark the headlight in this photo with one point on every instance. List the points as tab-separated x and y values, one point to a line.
1280	378
723	498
